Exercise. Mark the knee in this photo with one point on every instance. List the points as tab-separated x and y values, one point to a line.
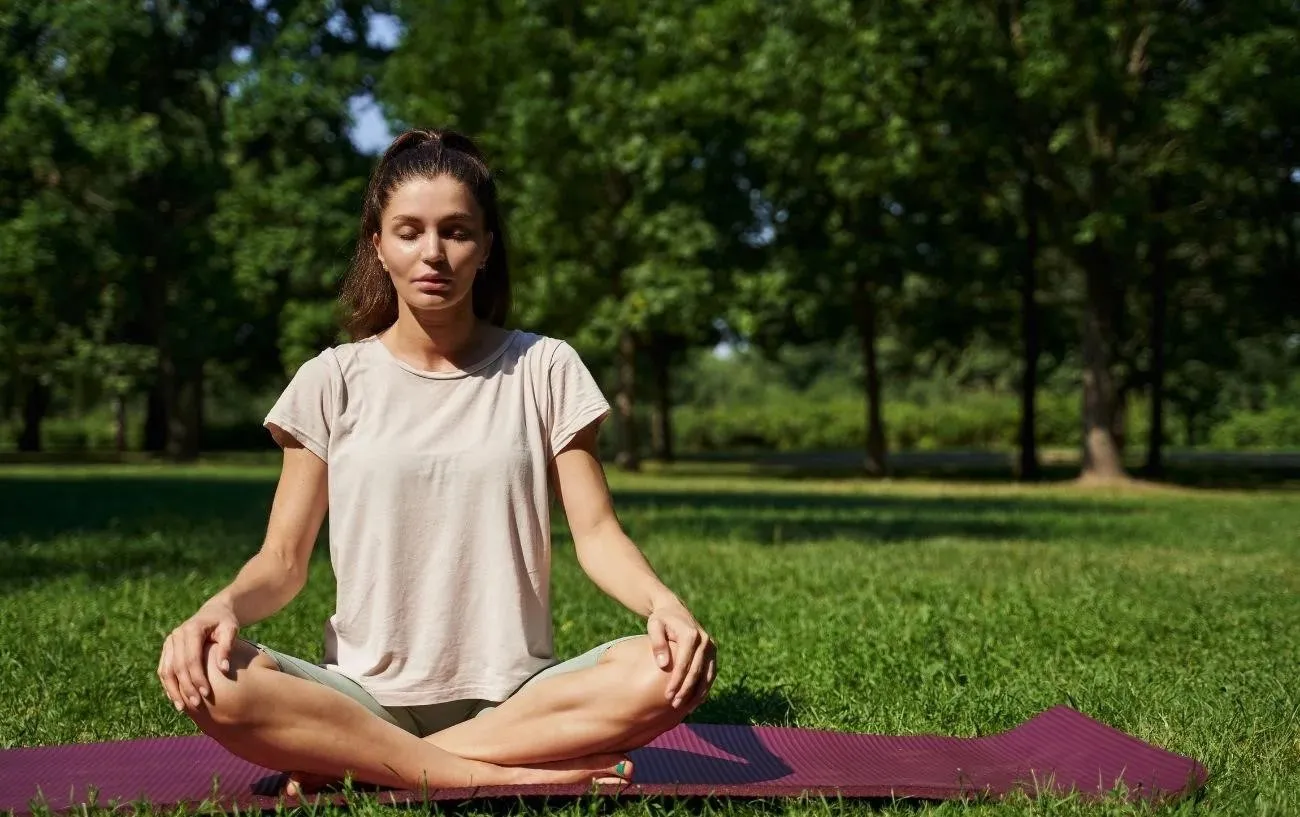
232	701
647	684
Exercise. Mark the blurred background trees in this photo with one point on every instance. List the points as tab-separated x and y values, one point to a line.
1006	225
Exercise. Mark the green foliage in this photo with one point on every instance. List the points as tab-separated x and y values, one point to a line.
178	196
174	174
612	205
1273	428
788	421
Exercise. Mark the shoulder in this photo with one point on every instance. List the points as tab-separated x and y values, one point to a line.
543	353
337	360
554	369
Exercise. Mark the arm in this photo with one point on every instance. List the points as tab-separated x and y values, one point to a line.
266	583
617	566
604	551
278	571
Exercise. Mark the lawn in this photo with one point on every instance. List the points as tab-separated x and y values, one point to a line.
902	607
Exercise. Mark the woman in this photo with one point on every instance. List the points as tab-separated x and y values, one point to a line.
434	439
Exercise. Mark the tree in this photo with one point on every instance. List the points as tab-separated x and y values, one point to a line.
69	153
846	137
288	218
1094	91
614	189
147	141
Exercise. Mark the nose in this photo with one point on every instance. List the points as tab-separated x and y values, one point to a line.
432	249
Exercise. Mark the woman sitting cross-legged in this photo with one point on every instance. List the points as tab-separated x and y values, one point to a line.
434	439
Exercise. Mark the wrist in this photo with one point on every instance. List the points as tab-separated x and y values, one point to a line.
221	603
665	600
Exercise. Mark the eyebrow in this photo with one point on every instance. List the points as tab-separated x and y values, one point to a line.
459	215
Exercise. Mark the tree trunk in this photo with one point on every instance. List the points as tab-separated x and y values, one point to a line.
662	431
119	418
1155	466
1119	425
36	402
179	406
628	456
1031	341
865	306
1102	456
184	412
155	419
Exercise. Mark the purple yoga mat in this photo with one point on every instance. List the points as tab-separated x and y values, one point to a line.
1059	750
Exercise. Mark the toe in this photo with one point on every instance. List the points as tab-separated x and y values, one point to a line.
623	769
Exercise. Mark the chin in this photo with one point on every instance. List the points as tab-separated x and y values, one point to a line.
432	302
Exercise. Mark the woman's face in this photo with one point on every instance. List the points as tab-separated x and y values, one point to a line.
432	242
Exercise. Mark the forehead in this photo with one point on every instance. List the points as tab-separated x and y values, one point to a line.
431	199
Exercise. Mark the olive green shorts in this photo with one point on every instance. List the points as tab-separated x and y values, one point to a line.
422	720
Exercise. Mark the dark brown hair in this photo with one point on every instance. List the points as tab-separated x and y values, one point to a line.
368	294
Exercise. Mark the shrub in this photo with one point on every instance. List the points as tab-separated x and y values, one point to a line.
1276	427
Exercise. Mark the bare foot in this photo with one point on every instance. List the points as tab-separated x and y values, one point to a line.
613	769
604	769
301	783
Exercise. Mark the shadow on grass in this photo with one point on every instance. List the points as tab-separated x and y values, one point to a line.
774	517
107	528
743	704
1211	470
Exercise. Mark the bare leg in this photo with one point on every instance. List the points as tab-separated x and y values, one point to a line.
282	722
615	706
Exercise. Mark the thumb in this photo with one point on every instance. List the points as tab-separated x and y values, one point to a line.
659	641
225	639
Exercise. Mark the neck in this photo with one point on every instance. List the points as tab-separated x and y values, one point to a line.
434	341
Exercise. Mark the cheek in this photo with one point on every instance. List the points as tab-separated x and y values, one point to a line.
464	252
400	250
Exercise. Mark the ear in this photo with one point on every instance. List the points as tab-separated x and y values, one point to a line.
374	242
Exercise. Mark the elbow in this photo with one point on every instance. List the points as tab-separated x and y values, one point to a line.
590	542
585	546
284	569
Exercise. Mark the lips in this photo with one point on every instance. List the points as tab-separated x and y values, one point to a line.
432	282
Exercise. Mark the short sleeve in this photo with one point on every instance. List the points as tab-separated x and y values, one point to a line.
575	400
305	409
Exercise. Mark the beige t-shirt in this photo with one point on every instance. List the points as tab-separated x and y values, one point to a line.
439	510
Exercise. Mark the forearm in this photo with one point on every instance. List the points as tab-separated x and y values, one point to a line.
266	583
617	566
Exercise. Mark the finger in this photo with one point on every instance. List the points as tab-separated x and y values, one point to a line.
188	672
659	642
681	662
225	641
167	675
700	695
710	675
199	666
693	674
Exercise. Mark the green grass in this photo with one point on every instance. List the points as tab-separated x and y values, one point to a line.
885	607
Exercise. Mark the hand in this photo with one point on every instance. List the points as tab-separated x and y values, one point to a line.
678	640
181	667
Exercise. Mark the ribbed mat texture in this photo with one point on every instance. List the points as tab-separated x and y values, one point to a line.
1059	750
